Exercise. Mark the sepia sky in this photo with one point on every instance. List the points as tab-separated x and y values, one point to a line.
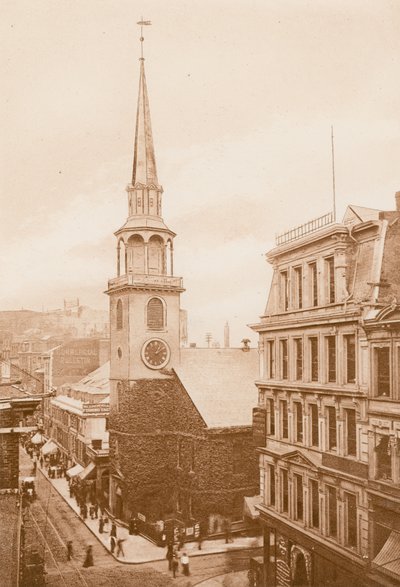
242	98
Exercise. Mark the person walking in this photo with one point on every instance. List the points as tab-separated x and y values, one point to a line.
70	551
88	562
170	555
175	565
120	550
113	530
113	543
91	511
185	564
101	525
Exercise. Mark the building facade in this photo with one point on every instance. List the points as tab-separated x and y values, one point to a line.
322	423
171	458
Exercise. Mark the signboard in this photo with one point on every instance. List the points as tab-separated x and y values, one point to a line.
141	517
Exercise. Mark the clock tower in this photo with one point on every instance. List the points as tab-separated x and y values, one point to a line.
145	294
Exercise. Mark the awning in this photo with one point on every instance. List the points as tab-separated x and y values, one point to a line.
75	470
49	448
249	509
388	558
87	471
37	438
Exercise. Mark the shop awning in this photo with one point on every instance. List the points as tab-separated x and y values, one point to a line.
37	438
75	470
85	474
388	558
249	509
49	448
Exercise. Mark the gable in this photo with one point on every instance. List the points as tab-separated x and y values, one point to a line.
299	458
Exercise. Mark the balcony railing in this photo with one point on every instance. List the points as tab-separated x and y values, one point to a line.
145	280
304	229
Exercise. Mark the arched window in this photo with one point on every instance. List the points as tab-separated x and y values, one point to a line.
155	314
120	315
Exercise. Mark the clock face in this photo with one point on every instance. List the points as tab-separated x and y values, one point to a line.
155	353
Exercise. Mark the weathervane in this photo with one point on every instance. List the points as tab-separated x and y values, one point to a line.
142	23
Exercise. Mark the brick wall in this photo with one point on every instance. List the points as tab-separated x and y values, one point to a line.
167	456
9	446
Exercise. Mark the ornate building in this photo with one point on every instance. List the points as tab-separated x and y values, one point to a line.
179	449
327	420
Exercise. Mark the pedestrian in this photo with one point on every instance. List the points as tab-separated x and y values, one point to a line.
41	461
69	550
170	555
120	550
91	511
185	564
88	562
84	511
101	525
175	565
106	522
113	530
96	510
113	543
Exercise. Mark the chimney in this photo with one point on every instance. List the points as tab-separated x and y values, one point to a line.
226	335
397	196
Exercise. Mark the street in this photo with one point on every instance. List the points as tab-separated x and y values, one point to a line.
51	523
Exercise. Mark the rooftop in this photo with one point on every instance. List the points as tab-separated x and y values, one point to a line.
220	383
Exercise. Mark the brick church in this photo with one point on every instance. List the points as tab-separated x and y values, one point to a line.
180	418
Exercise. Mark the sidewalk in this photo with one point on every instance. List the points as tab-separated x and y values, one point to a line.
140	550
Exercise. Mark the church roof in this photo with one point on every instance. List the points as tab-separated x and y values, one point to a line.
144	160
220	382
97	381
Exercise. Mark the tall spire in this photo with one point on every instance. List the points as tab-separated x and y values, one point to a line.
144	160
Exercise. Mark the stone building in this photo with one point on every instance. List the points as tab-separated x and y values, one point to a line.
180	419
326	423
78	425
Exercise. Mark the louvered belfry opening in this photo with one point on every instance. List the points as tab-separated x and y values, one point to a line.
155	314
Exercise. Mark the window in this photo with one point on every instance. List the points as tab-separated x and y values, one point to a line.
298	409
331	413
314	358
284	359
351	430
120	317
350	349
382	371
271	359
298	272
284	290
298	344
350	519
271	470
331	352
330	274
313	283
271	411
314	504
284	418
155	314
298	484
383	458
332	511
284	491
193	456
314	425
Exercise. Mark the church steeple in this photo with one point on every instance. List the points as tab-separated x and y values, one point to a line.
144	160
